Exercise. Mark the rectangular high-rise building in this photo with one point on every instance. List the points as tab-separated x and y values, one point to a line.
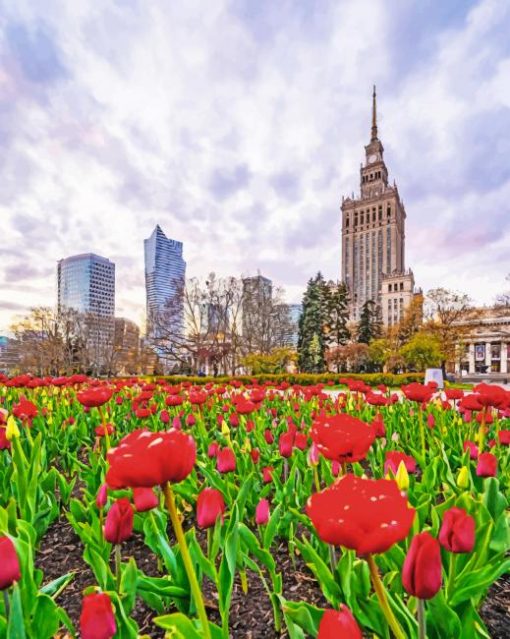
165	272
86	283
373	231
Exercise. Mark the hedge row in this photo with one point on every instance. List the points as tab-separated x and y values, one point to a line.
304	379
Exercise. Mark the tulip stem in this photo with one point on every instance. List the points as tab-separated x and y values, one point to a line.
332	559
451	576
186	558
481	433
118	561
316	478
383	599
422	432
6	604
422	623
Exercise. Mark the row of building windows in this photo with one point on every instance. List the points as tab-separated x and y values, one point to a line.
365	217
372	176
398	286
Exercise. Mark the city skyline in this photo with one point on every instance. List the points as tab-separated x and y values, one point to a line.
239	129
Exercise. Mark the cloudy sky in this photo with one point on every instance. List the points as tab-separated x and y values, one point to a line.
238	125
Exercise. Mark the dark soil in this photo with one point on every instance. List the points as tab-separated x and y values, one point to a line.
496	609
251	615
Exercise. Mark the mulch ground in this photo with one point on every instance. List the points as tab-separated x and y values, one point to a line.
251	614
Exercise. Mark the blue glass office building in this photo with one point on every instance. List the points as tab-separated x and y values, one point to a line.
86	283
165	272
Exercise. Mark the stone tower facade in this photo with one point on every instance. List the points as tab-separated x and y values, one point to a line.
373	231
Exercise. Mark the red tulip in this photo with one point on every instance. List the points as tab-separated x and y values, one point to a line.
421	572
5	444
102	496
97	620
226	460
286	443
9	563
267	474
431	420
418	392
212	451
503	436
342	438
378	425
339	625
268	436
145	499
457	532
24	409
472	447
149	459
210	506
393	459
262	512
190	420
255	455
366	515
102	429
119	522
487	465
94	397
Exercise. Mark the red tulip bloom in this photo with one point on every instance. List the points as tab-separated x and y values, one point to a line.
418	392
339	624
149	459
365	515
97	620
378	425
246	407
262	512
94	397
226	460
145	499
9	563
487	465
472	447
393	459
267	474
190	420
470	403
342	438
102	496
457	532
421	572
286	443
454	393
212	451
24	409
101	430
174	400
490	395
268	436
255	455
4	442
210	506
503	436
119	522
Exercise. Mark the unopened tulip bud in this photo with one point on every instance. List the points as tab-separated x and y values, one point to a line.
339	624
12	429
463	478
262	512
421	572
402	477
225	430
9	563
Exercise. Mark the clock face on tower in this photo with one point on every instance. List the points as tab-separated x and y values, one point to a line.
372	158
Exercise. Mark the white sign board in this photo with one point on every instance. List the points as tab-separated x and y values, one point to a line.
434	375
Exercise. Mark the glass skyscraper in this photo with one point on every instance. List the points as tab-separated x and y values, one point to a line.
86	283
165	272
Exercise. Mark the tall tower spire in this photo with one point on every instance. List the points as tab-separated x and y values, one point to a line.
374	116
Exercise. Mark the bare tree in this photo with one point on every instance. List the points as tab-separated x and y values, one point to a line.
503	300
448	316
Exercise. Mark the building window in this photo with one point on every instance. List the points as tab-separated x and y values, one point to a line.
401	286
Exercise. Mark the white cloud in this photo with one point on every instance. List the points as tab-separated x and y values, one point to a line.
162	103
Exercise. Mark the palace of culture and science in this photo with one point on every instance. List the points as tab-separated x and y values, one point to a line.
373	239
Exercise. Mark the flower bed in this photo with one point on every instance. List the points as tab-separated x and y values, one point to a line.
260	509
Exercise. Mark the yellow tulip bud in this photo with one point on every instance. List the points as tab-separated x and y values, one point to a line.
12	429
225	430
402	477
463	478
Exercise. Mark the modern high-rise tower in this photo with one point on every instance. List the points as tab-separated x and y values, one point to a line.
373	238
86	283
165	272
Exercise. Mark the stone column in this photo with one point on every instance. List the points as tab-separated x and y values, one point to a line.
504	357
471	358
488	356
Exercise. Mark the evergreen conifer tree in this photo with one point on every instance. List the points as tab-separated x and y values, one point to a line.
370	323
311	326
